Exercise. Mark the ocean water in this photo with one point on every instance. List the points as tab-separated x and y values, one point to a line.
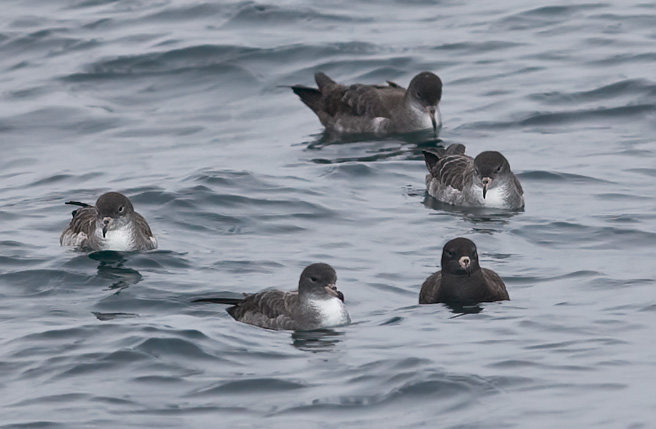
184	107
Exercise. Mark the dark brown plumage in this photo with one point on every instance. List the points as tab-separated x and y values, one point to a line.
382	109
462	281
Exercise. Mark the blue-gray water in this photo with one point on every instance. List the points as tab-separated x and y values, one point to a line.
182	106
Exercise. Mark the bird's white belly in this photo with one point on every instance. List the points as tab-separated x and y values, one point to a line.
333	312
494	198
119	240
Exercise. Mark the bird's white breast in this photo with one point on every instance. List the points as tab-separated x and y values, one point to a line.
495	197
423	120
332	312
119	240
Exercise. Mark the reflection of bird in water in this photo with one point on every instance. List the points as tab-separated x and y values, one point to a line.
111	267
316	340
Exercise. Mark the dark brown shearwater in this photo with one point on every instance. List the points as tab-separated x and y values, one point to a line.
380	109
462	281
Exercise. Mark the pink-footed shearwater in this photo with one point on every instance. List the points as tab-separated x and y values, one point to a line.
379	109
112	224
462	281
485	181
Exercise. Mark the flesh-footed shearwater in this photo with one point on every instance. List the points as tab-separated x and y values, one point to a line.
462	281
485	181
376	109
112	224
317	304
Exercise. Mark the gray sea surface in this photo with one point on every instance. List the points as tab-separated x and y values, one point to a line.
184	106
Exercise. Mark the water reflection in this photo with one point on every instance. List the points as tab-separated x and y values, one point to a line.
111	316
111	267
472	214
369	147
463	310
319	340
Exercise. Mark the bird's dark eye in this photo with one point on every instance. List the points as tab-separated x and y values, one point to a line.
450	253
121	209
418	95
313	279
499	168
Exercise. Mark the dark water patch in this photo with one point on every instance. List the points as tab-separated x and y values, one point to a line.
574	235
256	266
26	93
615	196
245	387
44	282
58	178
187	12
650	172
541	17
559	177
160	131
214	61
92	3
613	114
625	88
174	347
649	308
46	42
20	260
10	243
57	335
250	14
446	392
113	316
99	24
221	181
8	216
124	299
36	424
485	46
624	59
60	121
162	380
53	399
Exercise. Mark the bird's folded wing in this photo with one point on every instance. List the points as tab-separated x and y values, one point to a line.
496	284
84	220
268	309
451	170
356	100
430	289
